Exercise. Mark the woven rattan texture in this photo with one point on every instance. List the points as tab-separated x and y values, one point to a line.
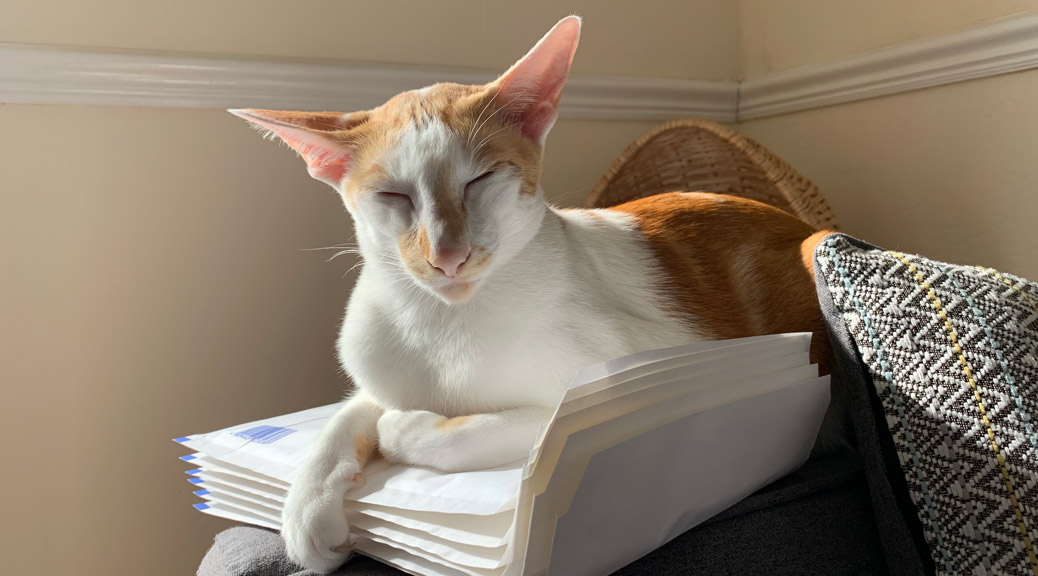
699	155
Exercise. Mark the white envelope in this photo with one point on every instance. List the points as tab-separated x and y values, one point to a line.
246	500
231	512
615	372
482	492
616	365
214	496
275	447
408	562
444	566
665	470
599	382
461	554
208	463
658	388
489	531
241	484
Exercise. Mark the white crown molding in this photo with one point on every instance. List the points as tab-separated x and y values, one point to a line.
1008	45
42	74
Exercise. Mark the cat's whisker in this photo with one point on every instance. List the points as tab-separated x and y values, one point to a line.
354	267
495	112
480	125
336	247
472	133
498	111
569	195
340	253
488	138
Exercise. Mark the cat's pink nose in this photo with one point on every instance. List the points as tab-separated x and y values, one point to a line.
449	260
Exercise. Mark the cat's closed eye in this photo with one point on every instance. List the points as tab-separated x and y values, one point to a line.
478	179
396	198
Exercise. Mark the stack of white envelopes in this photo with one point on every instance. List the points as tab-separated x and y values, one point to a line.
641	449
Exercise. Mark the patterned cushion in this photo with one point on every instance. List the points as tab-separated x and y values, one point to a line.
951	354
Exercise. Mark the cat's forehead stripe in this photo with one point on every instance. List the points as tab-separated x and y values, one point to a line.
452	104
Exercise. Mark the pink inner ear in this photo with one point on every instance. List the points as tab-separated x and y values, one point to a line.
325	159
536	121
331	173
533	86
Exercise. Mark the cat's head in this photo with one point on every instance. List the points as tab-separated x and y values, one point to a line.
441	182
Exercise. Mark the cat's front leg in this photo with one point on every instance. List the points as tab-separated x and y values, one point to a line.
474	442
313	523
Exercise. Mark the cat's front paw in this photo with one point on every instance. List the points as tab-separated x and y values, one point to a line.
403	436
314	526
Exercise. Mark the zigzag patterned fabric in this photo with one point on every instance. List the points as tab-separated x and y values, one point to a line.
953	354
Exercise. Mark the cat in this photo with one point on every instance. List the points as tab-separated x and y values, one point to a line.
477	301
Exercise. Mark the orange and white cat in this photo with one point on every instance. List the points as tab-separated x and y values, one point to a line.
477	302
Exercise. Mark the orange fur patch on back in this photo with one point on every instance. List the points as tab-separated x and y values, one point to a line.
807	249
734	267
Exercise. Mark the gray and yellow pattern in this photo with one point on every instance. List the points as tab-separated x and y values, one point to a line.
953	354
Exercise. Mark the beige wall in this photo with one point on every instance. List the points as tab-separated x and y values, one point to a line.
154	286
948	172
782	35
668	38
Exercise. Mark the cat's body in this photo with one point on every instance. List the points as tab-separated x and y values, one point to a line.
582	290
478	302
588	287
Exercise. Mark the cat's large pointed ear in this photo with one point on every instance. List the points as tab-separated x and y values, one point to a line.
316	136
529	91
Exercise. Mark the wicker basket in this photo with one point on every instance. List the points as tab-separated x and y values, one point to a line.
699	155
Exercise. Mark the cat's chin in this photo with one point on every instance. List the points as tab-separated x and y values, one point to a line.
457	292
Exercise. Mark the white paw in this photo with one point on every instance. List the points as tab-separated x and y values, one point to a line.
400	434
314	526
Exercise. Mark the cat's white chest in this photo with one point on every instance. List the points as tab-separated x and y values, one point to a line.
455	361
